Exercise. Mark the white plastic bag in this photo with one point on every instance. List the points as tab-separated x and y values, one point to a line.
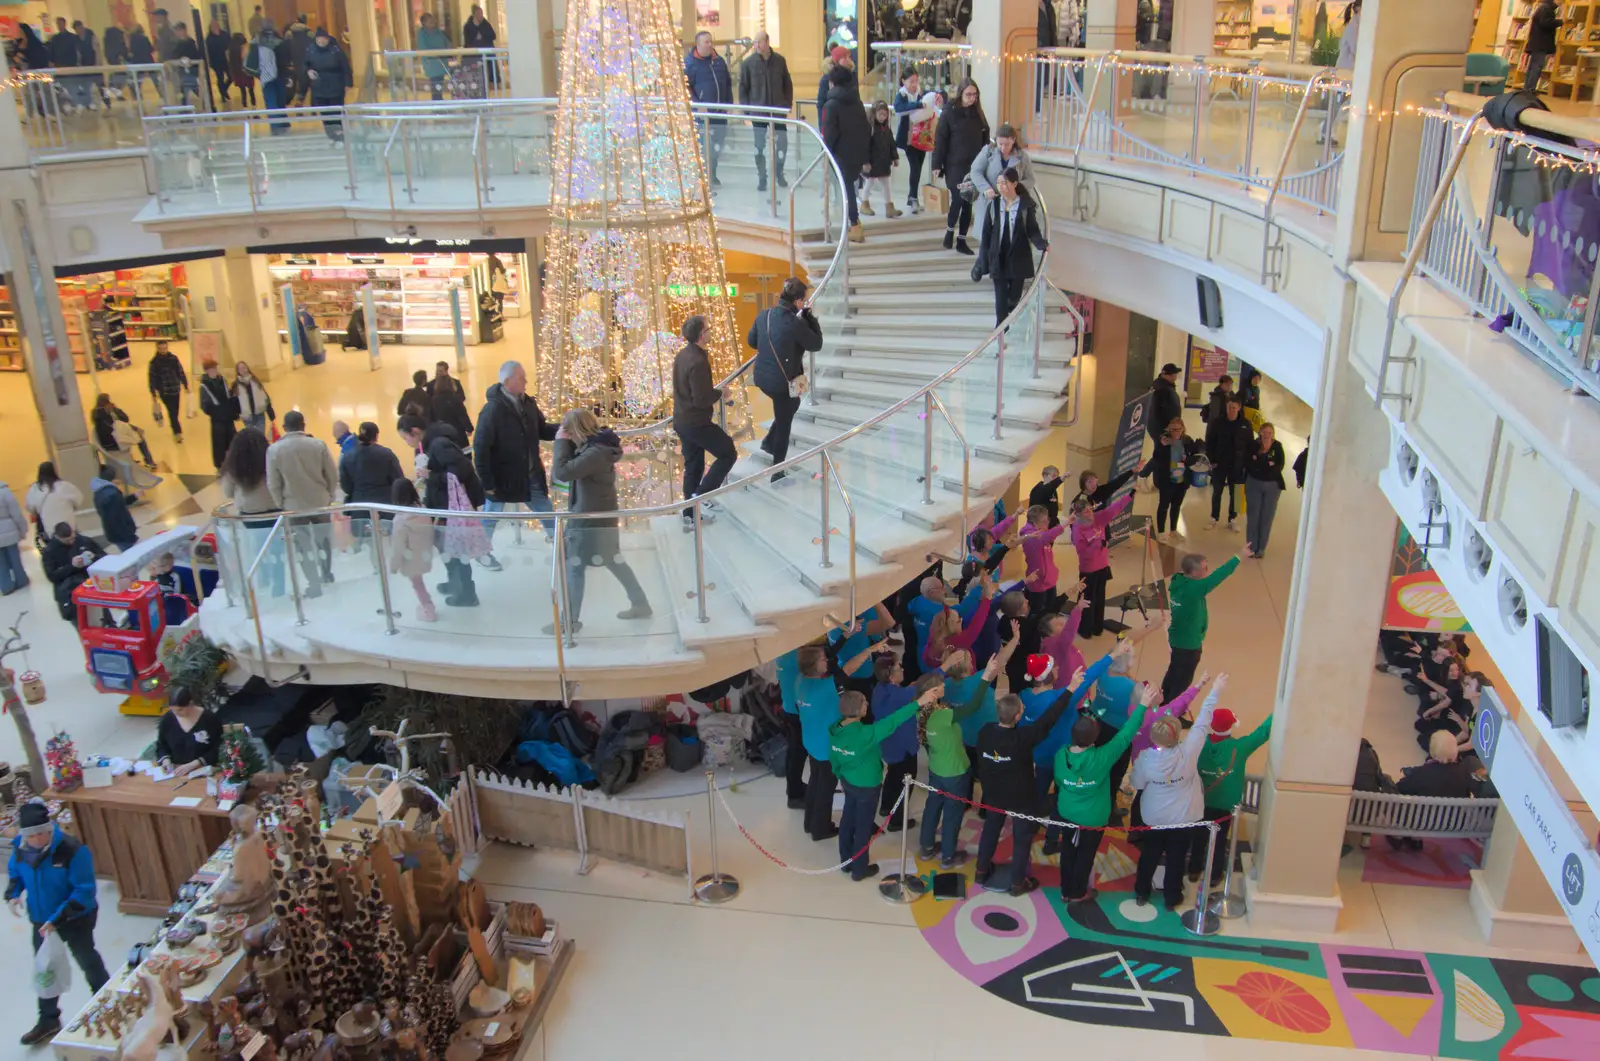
52	969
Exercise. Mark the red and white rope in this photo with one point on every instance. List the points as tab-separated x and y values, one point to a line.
723	799
1209	823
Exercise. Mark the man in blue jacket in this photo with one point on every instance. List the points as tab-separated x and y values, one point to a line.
52	880
709	82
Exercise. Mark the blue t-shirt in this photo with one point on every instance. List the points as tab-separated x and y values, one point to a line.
958	691
788	674
1036	702
1111	699
817	703
923	610
886	700
854	645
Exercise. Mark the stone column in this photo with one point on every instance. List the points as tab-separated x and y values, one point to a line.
1092	440
1110	23
534	71
25	232
361	20
993	23
1335	600
233	294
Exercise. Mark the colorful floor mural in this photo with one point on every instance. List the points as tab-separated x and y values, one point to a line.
1113	962
1440	864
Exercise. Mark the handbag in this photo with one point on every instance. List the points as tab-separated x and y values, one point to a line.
967	190
155	410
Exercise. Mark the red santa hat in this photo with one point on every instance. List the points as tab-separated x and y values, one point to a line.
1040	667
1222	721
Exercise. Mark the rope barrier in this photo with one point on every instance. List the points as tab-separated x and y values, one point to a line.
723	799
1072	825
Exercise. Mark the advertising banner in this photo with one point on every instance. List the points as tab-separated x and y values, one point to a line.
1125	458
1565	854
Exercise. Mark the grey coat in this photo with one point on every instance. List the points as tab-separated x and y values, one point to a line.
988	166
590	473
13	524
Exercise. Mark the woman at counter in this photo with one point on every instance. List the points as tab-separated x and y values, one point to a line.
188	736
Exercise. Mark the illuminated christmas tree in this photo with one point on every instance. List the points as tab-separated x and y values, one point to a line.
633	247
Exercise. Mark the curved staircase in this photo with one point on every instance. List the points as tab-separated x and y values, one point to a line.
910	313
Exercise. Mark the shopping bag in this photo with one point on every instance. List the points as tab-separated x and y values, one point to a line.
52	969
155	411
936	200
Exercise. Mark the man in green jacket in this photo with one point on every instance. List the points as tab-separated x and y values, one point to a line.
1186	596
857	761
1222	763
1084	797
949	773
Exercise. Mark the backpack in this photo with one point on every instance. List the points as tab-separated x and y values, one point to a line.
252	59
620	749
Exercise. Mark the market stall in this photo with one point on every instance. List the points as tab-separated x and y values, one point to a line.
302	927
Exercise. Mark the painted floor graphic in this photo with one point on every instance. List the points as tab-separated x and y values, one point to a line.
1115	963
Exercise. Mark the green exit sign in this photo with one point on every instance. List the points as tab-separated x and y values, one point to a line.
708	290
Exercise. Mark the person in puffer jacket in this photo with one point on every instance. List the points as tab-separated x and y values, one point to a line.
1168	777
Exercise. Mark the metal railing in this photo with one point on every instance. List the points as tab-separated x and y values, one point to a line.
1495	223
1211	117
828	456
938	64
438	74
99	108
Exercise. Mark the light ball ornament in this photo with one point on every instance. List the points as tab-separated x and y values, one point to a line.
608	261
588	330
643	370
631	311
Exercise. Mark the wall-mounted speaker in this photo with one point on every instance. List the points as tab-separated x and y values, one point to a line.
1210	301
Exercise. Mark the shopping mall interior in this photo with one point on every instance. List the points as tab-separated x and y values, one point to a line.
360	779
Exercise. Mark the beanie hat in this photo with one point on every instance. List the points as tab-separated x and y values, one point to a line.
838	53
34	818
1222	721
1040	667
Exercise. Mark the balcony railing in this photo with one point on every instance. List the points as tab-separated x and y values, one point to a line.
1274	128
89	109
1510	224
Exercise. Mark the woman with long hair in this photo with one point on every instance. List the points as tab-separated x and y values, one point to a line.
962	132
586	456
1012	223
51	500
1263	485
781	337
244	482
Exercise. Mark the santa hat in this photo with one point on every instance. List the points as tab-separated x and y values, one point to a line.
1040	667
1222	721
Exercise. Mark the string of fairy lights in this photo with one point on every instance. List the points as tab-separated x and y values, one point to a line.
633	249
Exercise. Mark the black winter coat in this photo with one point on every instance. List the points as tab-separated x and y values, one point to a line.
781	338
1165	407
445	457
64	50
1433	778
217	50
477	34
368	472
506	451
1266	466
140	48
450	406
332	70
765	82
882	154
58	568
957	139
846	130
1015	260
1228	442
1542	29
1159	467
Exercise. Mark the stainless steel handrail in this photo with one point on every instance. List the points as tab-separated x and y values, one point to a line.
249	171
830	471
1418	246
1283	167
477	174
388	174
935	402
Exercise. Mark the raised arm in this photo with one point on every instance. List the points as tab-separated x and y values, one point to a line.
1039	728
1215	579
1104	516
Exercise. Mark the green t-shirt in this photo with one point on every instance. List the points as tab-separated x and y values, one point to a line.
1188	599
941	734
1083	778
854	747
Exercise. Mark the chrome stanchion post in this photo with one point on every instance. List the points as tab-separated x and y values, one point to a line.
903	887
376	528
1228	905
1201	921
294	577
999	384
827	486
716	886
700	564
927	448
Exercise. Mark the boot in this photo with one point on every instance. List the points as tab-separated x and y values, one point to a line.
866	207
857	236
949	238
636	611
891	210
962	248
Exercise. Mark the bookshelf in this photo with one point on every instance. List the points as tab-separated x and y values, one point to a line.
10	334
1235	24
1564	76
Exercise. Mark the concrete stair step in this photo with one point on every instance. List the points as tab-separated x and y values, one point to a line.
900	376
887	459
974	324
970	405
953	348
728	619
796	547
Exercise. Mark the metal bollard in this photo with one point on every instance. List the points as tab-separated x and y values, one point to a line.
716	886
903	887
1201	921
1227	905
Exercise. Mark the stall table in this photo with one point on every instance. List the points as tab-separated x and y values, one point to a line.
144	842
